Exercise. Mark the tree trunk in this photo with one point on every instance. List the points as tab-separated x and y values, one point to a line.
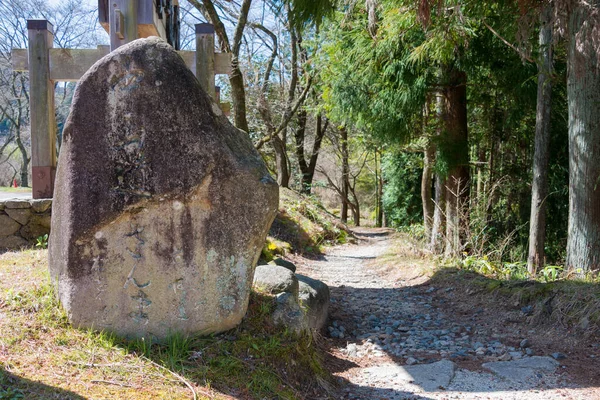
281	162
426	179
321	128
539	189
380	219
307	177
438	224
583	91
236	78
24	159
457	183
238	97
379	194
345	174
356	212
299	135
480	186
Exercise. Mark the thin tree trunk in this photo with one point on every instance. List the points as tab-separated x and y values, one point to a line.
281	162
345	174
380	219
539	189
321	128
299	135
457	183
583	91
426	199
236	78
356	211
24	162
379	192
438	225
439	218
480	185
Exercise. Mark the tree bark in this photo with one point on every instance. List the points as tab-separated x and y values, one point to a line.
539	189
281	162
457	183
380	219
236	78
355	208
379	189
438	224
345	174
299	136
426	180
308	168
583	91
24	161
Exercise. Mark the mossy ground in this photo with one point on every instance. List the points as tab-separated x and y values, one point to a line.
42	356
302	226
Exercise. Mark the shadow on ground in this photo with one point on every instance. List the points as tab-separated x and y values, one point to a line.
444	317
15	387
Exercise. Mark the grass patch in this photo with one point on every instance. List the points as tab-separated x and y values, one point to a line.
42	356
8	189
305	225
568	302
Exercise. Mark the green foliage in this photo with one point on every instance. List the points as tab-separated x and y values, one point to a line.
508	270
42	241
305	12
415	231
483	265
273	248
370	83
303	224
9	393
402	192
550	273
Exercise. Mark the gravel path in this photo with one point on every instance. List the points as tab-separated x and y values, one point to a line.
388	340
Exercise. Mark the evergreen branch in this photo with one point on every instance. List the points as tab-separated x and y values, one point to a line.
506	42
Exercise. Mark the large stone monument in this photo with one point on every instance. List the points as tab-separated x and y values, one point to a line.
161	206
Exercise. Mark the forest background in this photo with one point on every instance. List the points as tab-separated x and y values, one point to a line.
472	124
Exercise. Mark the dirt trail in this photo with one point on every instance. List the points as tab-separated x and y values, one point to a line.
391	335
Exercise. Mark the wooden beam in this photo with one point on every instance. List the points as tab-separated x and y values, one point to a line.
129	31
71	64
65	64
103	10
119	22
43	120
149	23
205	57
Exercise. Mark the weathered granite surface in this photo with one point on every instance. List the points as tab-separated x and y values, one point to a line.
161	206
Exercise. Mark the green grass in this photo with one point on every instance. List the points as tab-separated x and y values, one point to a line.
553	298
42	356
303	225
15	190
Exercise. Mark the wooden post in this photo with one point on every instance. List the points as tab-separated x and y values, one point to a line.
205	57
123	22
43	120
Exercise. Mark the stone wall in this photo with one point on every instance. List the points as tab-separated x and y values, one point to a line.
22	221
